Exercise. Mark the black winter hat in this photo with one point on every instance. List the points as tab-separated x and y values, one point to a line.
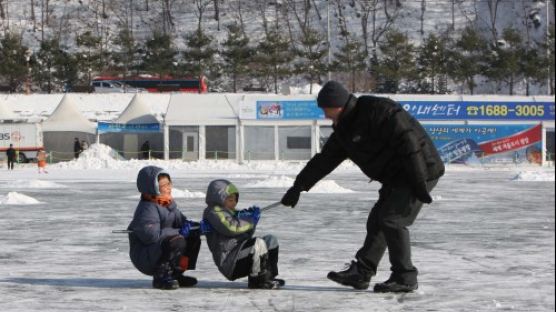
332	94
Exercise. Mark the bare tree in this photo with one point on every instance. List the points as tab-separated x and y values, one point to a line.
379	29
2	14
422	18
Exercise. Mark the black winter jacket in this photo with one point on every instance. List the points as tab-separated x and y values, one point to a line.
382	139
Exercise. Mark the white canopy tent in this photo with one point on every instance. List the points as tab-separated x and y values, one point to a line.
137	112
62	127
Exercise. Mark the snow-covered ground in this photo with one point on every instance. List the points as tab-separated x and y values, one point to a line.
487	243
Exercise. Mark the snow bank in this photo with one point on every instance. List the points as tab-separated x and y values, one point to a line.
329	186
535	176
15	198
177	193
97	156
273	181
36	184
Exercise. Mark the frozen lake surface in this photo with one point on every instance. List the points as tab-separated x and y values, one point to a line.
486	244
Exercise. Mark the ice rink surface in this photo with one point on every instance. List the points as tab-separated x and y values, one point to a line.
487	243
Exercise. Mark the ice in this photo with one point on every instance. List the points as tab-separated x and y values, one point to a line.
535	176
486	243
35	184
273	181
329	186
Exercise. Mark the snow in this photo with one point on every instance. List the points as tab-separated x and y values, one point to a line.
15	198
177	193
486	243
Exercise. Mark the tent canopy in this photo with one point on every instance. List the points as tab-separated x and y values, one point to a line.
202	109
67	117
5	112
136	112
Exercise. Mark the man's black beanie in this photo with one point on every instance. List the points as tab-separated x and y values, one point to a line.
332	94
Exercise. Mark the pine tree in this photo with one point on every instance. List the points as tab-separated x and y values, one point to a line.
311	55
199	57
159	56
236	53
396	64
432	64
13	64
89	58
466	57
351	59
273	57
125	58
503	61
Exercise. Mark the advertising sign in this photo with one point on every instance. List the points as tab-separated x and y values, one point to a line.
289	110
456	110
104	127
487	143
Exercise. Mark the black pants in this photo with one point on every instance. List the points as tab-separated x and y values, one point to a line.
11	164
396	209
244	265
176	246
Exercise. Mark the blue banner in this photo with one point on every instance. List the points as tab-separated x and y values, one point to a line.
289	110
104	127
454	110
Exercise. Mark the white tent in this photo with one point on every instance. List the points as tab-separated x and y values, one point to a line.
136	112
202	109
67	118
6	113
132	144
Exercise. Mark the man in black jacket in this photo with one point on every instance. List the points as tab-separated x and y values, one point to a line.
11	156
389	146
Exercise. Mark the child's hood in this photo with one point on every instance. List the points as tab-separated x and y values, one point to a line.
147	180
218	190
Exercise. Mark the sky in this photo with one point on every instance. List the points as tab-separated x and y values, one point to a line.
486	243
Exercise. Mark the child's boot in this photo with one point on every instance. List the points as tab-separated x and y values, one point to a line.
264	279
162	278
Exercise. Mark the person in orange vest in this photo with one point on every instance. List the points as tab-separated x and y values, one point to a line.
41	160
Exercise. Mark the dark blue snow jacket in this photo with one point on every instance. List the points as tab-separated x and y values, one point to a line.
152	223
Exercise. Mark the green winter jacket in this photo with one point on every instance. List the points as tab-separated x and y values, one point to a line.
229	232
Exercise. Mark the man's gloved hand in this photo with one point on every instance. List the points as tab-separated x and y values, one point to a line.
422	193
291	197
205	227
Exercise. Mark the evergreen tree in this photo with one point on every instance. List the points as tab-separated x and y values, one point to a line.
159	56
54	69
125	58
465	58
273	57
396	64
236	53
199	57
351	59
503	61
432	64
89	57
311	54
13	62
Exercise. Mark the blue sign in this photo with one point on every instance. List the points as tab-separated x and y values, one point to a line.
104	127
289	110
454	110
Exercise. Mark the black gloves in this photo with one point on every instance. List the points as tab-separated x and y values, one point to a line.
422	193
292	196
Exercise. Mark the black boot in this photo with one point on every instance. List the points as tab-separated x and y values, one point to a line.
185	281
353	276
162	278
393	286
265	279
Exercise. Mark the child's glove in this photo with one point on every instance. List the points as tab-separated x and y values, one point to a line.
186	229
252	212
205	227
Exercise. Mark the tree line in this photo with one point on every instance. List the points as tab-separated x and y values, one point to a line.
384	61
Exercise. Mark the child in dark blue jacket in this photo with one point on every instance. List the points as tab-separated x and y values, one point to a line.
162	241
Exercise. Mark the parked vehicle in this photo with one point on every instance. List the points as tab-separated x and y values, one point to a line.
112	86
153	84
26	138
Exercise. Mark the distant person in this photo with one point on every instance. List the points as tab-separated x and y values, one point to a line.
145	150
163	243
41	160
391	147
236	251
11	156
76	148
